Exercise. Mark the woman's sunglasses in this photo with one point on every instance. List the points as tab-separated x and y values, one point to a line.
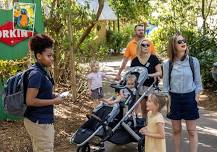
145	45
130	83
180	41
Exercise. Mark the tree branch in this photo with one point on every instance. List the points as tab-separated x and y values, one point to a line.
91	25
209	8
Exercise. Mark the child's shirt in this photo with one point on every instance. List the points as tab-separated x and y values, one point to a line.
96	79
126	93
154	144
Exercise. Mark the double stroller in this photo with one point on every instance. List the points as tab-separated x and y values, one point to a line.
124	127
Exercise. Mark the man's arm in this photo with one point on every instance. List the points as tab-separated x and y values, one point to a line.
122	67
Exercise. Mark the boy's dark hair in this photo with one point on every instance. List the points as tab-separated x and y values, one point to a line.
138	25
39	43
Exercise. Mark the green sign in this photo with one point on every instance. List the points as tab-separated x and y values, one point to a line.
14	42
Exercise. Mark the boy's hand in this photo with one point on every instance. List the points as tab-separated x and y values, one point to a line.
57	100
89	92
110	102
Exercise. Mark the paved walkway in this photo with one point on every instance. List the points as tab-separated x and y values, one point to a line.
207	124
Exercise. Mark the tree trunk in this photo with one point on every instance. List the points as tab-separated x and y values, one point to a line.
56	64
72	60
118	20
203	17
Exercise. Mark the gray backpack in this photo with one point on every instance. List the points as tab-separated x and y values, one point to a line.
14	94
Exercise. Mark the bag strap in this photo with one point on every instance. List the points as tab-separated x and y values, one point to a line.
191	63
170	71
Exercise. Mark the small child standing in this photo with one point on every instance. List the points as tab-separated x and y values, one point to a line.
154	131
95	82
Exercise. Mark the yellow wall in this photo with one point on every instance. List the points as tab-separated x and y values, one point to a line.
101	33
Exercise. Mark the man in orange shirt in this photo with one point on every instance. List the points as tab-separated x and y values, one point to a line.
130	52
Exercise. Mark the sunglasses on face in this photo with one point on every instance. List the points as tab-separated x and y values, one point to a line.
130	83
145	45
180	41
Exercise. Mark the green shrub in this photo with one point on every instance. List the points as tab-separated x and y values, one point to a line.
118	40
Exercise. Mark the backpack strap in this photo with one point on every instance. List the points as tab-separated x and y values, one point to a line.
16	81
170	71
191	63
25	73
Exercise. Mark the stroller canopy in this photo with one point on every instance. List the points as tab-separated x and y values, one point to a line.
140	72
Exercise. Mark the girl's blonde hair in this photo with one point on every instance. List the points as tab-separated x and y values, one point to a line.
171	48
139	47
93	64
159	100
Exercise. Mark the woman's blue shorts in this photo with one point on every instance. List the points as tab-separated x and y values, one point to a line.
183	106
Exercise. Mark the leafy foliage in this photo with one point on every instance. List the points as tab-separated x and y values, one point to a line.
11	67
131	10
204	47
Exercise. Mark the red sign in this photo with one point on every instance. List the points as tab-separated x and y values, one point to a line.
11	36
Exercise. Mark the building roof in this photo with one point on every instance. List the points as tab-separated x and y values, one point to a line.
107	12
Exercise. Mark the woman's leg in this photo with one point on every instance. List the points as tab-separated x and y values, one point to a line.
177	129
192	135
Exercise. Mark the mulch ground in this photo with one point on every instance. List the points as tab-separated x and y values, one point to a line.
68	117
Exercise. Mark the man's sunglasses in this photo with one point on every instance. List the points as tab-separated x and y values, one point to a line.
145	45
180	41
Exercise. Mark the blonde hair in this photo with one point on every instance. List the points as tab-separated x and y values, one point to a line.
171	48
159	100
139	47
93	64
132	78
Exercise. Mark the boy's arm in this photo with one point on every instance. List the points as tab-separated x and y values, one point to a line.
107	100
89	82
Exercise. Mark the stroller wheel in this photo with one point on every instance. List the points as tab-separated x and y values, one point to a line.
85	148
141	145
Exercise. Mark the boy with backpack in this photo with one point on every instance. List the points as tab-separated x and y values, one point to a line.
30	94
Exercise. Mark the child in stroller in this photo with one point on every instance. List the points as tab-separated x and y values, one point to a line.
122	128
121	95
